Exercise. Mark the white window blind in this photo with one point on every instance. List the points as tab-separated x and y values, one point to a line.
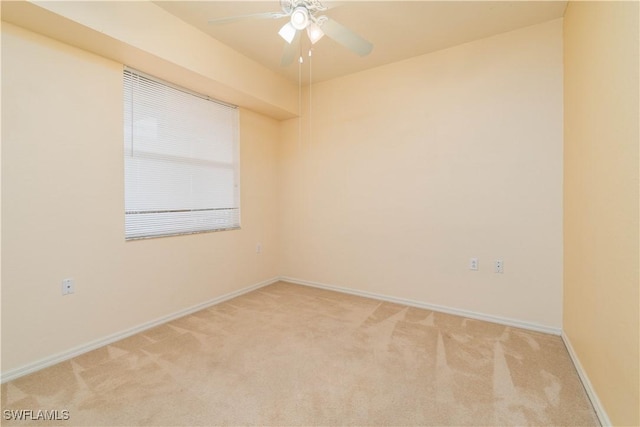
180	160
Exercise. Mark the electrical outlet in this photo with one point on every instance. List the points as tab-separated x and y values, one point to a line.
68	286
259	248
473	263
499	266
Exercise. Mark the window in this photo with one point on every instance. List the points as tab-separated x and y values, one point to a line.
180	160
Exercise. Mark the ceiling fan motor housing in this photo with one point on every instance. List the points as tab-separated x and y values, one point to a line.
300	18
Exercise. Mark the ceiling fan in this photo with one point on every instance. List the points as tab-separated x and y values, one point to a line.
305	15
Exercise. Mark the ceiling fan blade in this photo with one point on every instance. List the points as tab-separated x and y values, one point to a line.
291	51
346	37
237	18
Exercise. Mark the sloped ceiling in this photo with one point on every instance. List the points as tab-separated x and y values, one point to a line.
398	29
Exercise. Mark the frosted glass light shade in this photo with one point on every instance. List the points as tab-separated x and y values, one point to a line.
287	32
314	32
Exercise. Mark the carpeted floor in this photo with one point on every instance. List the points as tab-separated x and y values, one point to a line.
292	355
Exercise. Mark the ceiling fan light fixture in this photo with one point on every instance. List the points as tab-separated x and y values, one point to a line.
314	32
287	32
300	18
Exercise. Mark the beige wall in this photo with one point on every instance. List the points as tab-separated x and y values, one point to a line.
406	171
601	270
63	210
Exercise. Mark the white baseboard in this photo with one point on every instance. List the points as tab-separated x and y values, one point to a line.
76	351
449	310
595	402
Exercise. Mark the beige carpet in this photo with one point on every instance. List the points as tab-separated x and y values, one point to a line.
293	355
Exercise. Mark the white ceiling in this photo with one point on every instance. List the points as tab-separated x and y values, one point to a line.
398	29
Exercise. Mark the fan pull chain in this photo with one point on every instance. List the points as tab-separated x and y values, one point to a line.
300	101
310	84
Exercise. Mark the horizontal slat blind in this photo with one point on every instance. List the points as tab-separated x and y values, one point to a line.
180	158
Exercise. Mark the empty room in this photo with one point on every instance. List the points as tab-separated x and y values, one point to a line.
298	212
